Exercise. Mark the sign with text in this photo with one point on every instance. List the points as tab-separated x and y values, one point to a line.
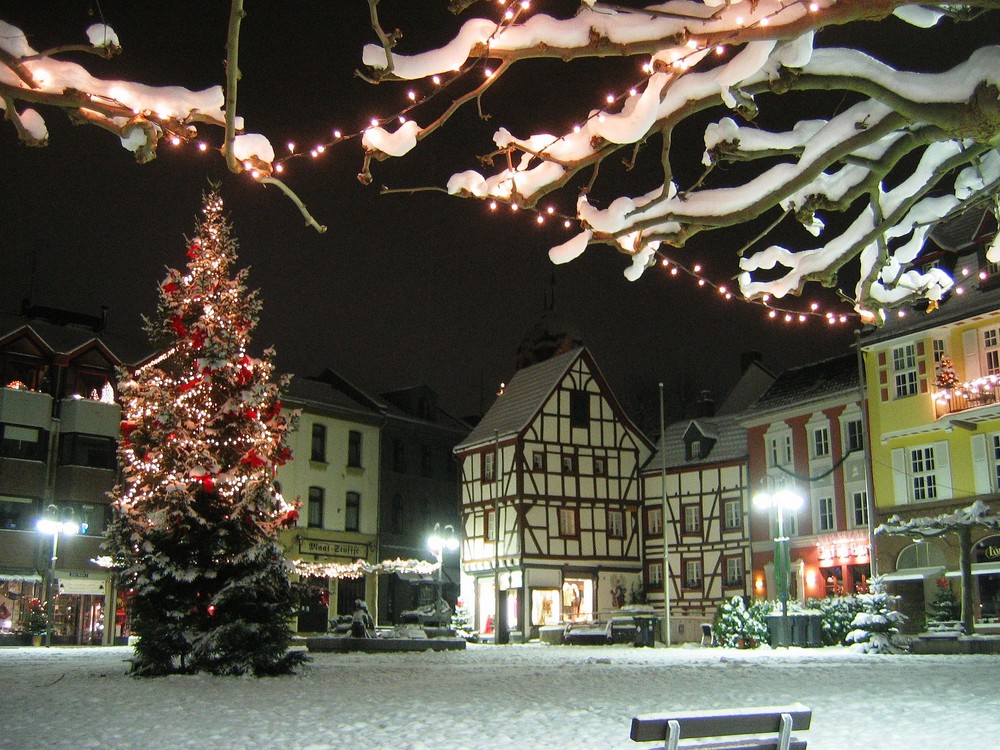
331	548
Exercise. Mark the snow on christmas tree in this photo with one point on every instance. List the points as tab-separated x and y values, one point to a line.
876	626
946	607
195	534
462	622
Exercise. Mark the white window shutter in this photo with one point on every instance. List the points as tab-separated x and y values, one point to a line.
900	481
942	471
970	350
980	465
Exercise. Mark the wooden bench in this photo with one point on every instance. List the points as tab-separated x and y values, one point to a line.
759	728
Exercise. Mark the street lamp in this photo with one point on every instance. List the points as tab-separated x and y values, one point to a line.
50	524
440	540
782	501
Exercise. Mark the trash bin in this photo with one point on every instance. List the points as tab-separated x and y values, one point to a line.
774	627
814	628
799	626
645	628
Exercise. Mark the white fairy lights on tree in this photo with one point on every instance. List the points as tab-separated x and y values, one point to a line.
197	510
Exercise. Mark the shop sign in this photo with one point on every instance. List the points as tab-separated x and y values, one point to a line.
988	549
328	548
847	548
83	586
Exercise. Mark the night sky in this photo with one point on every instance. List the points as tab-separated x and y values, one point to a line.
402	289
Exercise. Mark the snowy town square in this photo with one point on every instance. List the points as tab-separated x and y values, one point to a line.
517	696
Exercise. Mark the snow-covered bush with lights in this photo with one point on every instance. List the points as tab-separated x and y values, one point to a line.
838	617
462	623
739	626
945	607
876	626
197	513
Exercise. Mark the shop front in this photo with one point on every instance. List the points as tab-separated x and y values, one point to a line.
844	563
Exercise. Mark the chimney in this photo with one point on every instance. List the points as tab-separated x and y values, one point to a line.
748	358
705	406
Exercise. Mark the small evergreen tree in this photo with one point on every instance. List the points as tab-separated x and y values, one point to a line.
946	606
461	621
876	626
739	626
838	617
195	533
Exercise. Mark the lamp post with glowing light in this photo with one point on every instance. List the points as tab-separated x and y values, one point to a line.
782	501
441	538
50	524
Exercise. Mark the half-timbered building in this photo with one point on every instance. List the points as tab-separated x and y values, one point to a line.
550	500
696	491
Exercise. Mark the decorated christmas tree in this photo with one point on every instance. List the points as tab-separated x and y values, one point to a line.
946	607
195	534
945	374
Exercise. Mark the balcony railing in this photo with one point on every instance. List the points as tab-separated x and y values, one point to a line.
969	395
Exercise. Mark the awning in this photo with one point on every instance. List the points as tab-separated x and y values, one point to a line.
978	569
26	576
914	574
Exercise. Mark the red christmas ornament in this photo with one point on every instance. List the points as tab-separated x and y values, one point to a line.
250	414
178	325
170	287
211	610
291	518
198	338
127	426
253	459
193	249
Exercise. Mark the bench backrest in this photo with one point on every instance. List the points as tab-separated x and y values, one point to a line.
669	728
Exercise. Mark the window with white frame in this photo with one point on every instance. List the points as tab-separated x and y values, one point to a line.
567	522
616	524
859	509
821	442
655	521
656	574
732	514
855	435
779	452
923	477
489	467
995	460
692	519
904	370
537	460
991	350
692	574
825	514
937	347
734	571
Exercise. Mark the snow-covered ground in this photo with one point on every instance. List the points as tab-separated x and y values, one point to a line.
530	696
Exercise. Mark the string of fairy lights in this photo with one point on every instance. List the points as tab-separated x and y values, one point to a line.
696	47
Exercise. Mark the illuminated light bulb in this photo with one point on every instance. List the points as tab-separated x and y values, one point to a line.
600	117
788	318
176	141
402	120
203	147
247	165
313	154
514	207
684	64
813	7
697	268
320	149
701	282
508	15
336	134
436	80
632	92
959	290
567	223
729	295
647	67
802	317
291	147
772	314
411	95
720	49
610	98
666	263
722	290
576	128
493	205
901	313
965	271
673	271
766	298
764	21
525	4
488	73
692	44
374	122
279	168
255	174
539	219
739	20
983	275
814	306
550	210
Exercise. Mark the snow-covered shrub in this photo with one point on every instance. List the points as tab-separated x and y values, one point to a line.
462	624
838	617
875	627
739	626
946	606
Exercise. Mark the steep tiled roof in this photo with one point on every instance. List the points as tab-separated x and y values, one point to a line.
802	385
521	399
66	339
730	443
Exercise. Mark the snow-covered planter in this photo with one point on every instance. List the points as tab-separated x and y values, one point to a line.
739	626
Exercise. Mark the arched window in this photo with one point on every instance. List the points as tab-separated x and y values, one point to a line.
924	554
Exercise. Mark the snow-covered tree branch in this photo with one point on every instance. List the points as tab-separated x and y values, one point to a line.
906	150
